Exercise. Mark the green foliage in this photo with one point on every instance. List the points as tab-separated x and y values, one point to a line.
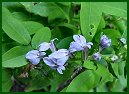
25	25
15	57
32	26
84	82
38	39
91	13
6	80
14	28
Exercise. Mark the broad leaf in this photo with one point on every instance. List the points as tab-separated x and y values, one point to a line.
14	28
89	65
65	43
42	35
21	16
90	16
91	12
84	82
45	9
102	88
114	8
6	81
32	26
104	73
15	57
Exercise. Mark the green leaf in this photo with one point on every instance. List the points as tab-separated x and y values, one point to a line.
15	57
104	73
21	16
42	35
46	9
90	16
84	82
114	8
32	26
89	65
102	88
103	62
121	66
12	6
14	28
119	84
70	26
28	5
125	34
65	43
6	81
115	68
101	24
120	24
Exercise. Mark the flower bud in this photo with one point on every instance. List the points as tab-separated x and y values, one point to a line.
97	56
114	58
105	42
123	40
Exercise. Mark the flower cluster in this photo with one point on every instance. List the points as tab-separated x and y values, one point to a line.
104	43
57	59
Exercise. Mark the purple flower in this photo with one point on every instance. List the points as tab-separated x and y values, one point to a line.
105	42
45	46
52	45
34	56
79	44
57	60
97	56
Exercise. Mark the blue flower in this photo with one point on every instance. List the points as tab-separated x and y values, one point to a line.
79	44
52	45
57	60
105	42
97	56
45	46
34	56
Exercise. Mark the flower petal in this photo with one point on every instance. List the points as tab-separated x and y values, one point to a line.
44	46
32	54
48	61
62	61
59	54
62	67
59	70
79	39
52	45
34	61
42	54
75	45
89	44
